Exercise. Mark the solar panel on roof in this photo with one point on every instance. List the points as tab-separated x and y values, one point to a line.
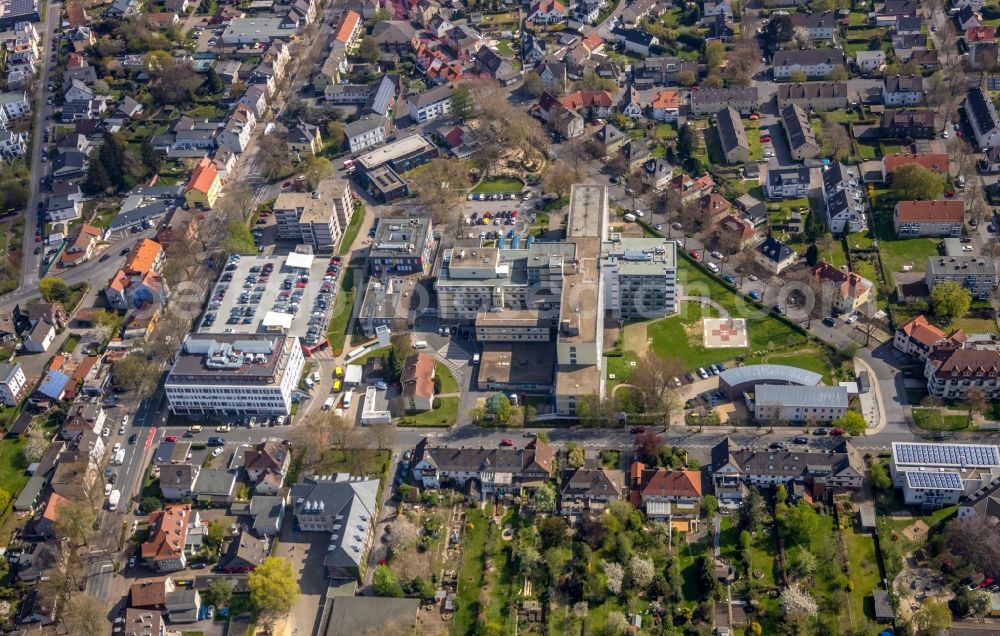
948	454
950	481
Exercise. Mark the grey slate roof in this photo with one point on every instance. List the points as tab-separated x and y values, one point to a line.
801	396
354	499
732	134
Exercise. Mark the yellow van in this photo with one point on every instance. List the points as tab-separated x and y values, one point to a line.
336	386
338	372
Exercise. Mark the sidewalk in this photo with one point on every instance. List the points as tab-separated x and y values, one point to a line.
871	402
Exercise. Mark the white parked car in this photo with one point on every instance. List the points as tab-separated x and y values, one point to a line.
218	451
714	268
717	255
851	319
118	447
106	432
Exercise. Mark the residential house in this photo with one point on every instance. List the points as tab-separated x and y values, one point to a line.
629	104
909	25
254	98
266	466
183	606
814	63
78	91
666	105
967	18
982	115
753	210
975	273
177	481
902	90
304	140
546	12
15	104
917	337
83	417
163	20
844	199
430	104
634	40
714	207
907	124
709	101
775	255
893	10
138	283
365	132
589	490
346	507
741	230
394	36
348	32
238	130
691	189
553	75
928	218
656	173
13	384
497	67
822	473
203	187
732	136
667	495
662	71
816	96
417	382
983	56
990	163
610	138
69	164
984	503
869	61
244	553
926	59
980	34
268	513
13	144
494	472
820	25
848	291
799	132
635	152
163	550
39	338
140	622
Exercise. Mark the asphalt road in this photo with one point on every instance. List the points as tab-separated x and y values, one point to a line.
30	263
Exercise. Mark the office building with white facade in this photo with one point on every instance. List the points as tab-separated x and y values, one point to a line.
235	374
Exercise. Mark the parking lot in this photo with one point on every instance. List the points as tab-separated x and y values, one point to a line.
490	216
293	293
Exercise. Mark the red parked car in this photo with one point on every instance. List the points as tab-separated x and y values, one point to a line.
837	431
636	430
765	139
695	254
170	438
506	442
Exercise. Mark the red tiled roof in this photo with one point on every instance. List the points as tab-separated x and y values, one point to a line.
931	211
168	530
661	482
347	26
418	376
980	34
917	328
933	161
969	363
203	177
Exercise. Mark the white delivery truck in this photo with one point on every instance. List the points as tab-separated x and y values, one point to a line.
113	500
328	404
119	457
348	396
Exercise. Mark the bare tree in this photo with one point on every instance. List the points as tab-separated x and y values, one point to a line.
836	141
382	435
84	615
653	378
440	186
560	178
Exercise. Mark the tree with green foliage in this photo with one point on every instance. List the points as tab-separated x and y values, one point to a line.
798	522
950	300
544	498
709	505
932	617
751	514
708	583
239	239
685	142
804	563
213	83
315	169
386	584
423	588
335	135
273	586
779	30
574	456
97	181
554	532
879	476
852	422
220	592
532	84
715	54
913	182
462	105
216	534
149	504
54	290
368	49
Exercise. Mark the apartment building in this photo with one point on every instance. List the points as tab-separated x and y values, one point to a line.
902	90
983	118
314	218
938	475
234	375
500	472
917	337
799	132
732	136
975	273
844	199
13	383
639	277
430	104
928	218
813	95
952	373
787	183
814	63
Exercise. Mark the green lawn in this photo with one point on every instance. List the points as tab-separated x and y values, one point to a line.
336	333
809	360
12	466
898	252
351	233
336	461
470	575
495	185
863	569
936	420
975	325
445	415
504	48
448	382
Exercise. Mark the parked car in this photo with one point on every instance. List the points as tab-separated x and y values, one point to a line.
506	442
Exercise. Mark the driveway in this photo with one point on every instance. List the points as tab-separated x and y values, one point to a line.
300	548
